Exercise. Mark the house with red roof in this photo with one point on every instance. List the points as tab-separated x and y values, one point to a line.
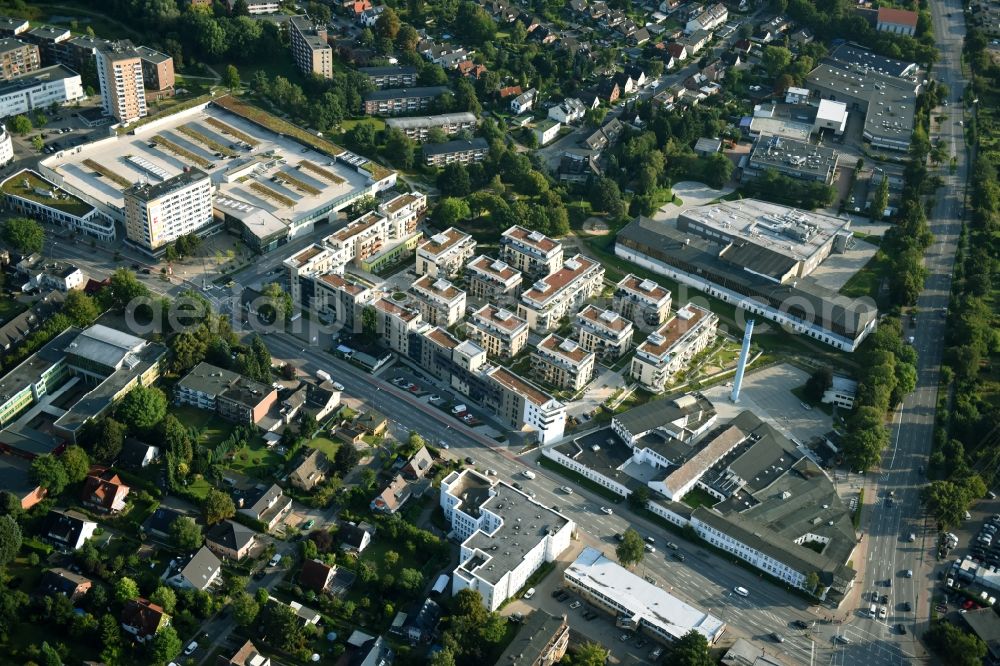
896	21
104	490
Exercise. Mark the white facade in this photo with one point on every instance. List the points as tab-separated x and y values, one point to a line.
158	214
561	293
842	393
568	111
6	146
831	115
670	348
39	90
749	554
444	254
547	131
91	222
710	19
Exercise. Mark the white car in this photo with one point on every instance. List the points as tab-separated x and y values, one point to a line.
528	474
605	510
566	489
742	591
882	613
191	648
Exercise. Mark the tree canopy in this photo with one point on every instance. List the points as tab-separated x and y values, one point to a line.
631	548
24	235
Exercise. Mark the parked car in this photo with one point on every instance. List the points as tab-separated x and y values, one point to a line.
575	605
901	628
192	646
605	510
776	637
800	624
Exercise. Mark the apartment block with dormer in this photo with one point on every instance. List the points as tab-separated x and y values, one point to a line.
497	330
644	302
305	264
604	332
394	323
492	280
669	350
339	299
561	293
562	363
444	254
531	252
439	302
404	211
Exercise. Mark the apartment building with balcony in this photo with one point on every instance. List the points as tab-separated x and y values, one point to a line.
444	254
17	57
644	302
310	50
531	252
119	72
439	302
562	363
492	280
394	323
339	299
302	266
400	101
604	332
395	76
524	406
499	331
158	213
403	211
373	239
419	128
560	294
157	69
463	151
669	350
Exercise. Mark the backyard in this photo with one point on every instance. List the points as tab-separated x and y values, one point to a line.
210	427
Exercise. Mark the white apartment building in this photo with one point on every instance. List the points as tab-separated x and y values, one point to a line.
506	536
670	348
439	302
260	6
492	280
522	404
444	254
373	235
403	211
644	302
304	264
156	214
562	363
119	72
531	252
6	146
604	332
419	128
339	300
28	193
708	20
394	323
560	294
498	331
40	89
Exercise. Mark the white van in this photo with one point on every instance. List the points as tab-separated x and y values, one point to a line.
528	474
742	591
872	611
274	560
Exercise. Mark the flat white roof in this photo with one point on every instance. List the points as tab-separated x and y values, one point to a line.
649	604
831	110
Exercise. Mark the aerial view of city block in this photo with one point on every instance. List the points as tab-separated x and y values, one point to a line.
499	332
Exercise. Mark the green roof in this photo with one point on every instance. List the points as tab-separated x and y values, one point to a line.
31	186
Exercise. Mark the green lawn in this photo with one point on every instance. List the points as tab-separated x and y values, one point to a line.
327	446
697	497
867	280
255	459
211	429
199	487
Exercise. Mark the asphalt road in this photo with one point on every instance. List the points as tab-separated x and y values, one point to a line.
889	552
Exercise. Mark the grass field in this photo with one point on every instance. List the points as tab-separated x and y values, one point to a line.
211	429
199	487
698	497
327	446
255	459
867	280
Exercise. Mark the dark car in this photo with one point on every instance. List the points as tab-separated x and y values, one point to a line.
516	485
888	582
901	628
874	597
800	624
776	637
619	537
678	556
884	599
556	592
469	460
259	575
907	606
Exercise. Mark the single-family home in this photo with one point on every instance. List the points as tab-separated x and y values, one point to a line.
137	454
104	490
609	91
546	131
231	539
372	422
677	51
638	75
509	91
524	102
311	471
354	538
64	582
68	529
570	110
143	619
247	655
159	523
203	569
625	83
15	478
393	497
639	37
418	465
266	504
316	576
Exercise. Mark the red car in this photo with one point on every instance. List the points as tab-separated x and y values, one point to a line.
969	603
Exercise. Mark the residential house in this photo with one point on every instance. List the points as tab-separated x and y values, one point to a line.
372	422
233	396
609	91
637	74
68	529
444	253
142	619
311	471
644	302
370	16
509	91
62	581
247	655
16	330
604	332
625	83
419	626
460	150
546	131
231	540
578	166
570	110
15	478
669	349
200	572
159	523
104	490
561	293
396	76
418	465
394	323
524	102
638	37
531	252
354	538
709	19
677	51
419	128
696	41
137	454
706	146
469	69
316	576
399	101
268	505
393	497
439	302
500	332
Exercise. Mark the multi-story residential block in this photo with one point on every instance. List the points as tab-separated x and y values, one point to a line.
156	214
17	57
560	294
541	641
670	348
338	299
50	41
28	193
157	69
78	53
398	101
562	363
439	302
232	395
374	240
709	19
644	302
498	331
401	76
444	254
259	6
310	50
418	128
403	211
492	280
531	252
40	89
604	332
12	27
524	406
498	553
460	150
394	323
119	71
302	266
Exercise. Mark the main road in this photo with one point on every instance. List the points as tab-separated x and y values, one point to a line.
890	554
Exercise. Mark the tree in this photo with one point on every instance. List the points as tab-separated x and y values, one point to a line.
48	472
606	196
164	597
24	235
166	644
232	77
818	383
125	589
631	548
407	38
142	408
590	654
450	211
881	200
368	478
107	437
240	8
279	301
10	540
21	125
80	307
691	649
453	181
218	506
50	656
362	136
124	288
949	500
369	322
400	149
245	609
410	580
775	59
76	462
639	498
185	533
281	626
388	24
717	169
38	143
961	648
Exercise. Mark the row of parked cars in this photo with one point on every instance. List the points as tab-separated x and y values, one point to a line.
986	547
